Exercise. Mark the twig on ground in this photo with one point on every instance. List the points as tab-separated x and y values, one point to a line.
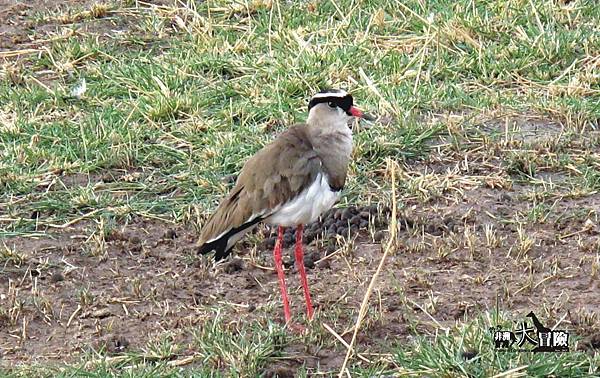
390	245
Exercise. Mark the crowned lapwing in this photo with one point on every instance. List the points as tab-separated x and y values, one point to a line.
289	183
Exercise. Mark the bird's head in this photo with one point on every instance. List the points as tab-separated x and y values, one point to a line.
333	106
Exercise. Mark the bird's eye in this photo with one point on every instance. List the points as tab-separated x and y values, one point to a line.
332	105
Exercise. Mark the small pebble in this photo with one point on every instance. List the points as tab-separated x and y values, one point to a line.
379	236
117	344
355	220
115	235
308	237
170	234
309	261
381	222
437	232
57	277
279	372
594	341
325	264
469	354
330	249
101	313
372	209
364	214
234	265
430	229
338	214
346	214
503	211
270	242
107	177
287	261
364	224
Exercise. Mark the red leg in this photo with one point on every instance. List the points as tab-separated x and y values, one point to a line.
302	270
280	274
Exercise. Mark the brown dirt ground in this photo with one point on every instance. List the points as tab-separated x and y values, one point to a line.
72	292
27	26
18	27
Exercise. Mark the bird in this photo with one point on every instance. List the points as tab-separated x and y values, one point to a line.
289	183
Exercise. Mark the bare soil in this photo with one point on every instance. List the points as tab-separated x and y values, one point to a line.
72	292
27	26
75	290
19	27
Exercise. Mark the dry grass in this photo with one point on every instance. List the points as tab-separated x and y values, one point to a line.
488	111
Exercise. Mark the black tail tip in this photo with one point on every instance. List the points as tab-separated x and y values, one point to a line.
203	249
217	246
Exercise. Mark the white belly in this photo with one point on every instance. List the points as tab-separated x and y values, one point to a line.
307	207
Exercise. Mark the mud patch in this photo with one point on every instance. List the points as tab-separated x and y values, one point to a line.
17	20
26	27
69	293
523	129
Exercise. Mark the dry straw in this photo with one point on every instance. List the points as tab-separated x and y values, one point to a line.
391	167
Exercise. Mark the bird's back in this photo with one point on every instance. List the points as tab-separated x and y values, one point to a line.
275	175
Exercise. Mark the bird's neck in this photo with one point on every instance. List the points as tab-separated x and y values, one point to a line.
328	128
333	143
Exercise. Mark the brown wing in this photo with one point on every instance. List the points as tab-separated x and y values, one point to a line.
275	175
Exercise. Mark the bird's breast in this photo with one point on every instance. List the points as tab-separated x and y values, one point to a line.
307	205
